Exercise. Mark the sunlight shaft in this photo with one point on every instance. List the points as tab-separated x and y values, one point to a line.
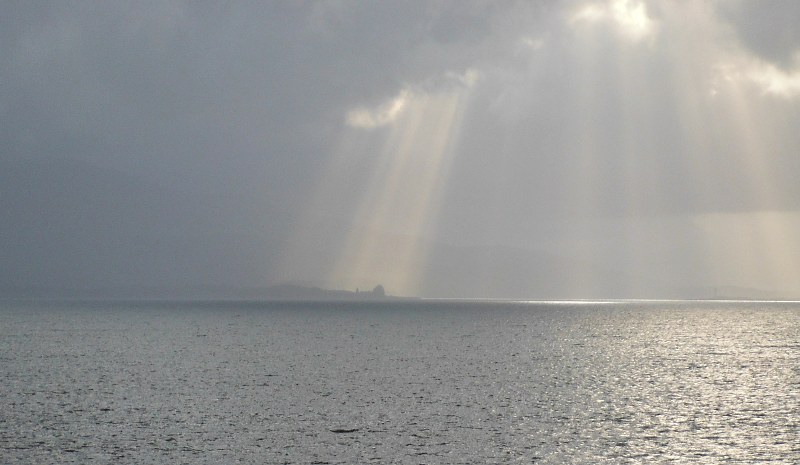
389	238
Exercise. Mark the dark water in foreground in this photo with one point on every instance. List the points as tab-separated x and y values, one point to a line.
421	382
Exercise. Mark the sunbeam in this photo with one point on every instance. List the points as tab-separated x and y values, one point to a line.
318	226
663	135
773	241
596	171
585	184
690	98
624	154
390	231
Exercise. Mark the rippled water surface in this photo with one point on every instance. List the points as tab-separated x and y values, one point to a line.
399	382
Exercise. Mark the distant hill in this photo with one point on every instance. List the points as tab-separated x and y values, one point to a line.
297	292
277	292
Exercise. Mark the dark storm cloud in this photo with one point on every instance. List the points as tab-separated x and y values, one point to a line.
179	83
768	28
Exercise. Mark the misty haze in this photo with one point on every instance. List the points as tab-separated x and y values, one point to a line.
376	231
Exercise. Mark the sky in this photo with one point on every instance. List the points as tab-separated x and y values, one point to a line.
552	149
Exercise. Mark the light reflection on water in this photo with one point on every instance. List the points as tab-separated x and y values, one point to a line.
422	382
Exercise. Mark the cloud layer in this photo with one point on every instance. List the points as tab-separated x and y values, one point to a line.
194	145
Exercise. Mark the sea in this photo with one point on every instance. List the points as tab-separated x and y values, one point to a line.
407	382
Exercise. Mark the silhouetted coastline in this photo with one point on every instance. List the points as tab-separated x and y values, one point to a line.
312	293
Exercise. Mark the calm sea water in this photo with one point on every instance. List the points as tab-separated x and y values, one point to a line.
413	382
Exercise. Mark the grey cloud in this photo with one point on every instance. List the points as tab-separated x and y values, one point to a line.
769	29
177	144
130	130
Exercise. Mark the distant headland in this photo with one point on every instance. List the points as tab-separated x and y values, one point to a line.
299	292
285	291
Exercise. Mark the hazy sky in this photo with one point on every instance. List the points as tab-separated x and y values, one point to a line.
445	148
